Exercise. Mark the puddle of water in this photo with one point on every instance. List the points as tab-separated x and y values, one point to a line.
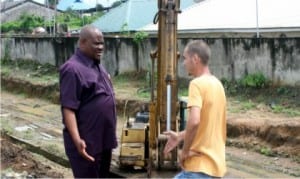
47	136
23	128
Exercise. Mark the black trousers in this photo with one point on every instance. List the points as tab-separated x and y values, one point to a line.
85	169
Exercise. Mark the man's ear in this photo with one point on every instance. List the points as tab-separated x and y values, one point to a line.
82	42
195	59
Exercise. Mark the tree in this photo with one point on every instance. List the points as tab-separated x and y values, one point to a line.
116	4
26	23
51	3
29	22
99	7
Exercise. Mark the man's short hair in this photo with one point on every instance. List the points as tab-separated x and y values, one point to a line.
200	48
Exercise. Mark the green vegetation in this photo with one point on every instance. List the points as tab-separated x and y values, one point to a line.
266	151
242	105
136	81
139	37
256	89
116	4
74	20
144	93
247	105
30	71
124	30
138	77
183	91
53	148
28	135
6	126
26	23
7	49
257	80
289	111
140	80
135	85
248	82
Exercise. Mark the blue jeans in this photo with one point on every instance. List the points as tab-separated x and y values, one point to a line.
185	174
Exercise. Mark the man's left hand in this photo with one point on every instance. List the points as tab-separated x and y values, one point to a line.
184	155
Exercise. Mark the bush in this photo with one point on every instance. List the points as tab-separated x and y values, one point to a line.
257	80
139	36
74	20
231	87
266	151
25	23
10	26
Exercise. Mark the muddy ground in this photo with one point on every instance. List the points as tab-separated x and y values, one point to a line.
16	162
44	131
263	132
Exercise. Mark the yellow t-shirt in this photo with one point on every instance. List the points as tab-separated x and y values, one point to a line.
207	93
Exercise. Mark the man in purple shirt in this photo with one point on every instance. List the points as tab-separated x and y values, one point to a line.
88	108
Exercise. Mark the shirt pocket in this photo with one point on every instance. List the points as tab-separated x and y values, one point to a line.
101	89
93	87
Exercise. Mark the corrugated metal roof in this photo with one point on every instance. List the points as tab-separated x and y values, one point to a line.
131	15
104	3
238	14
65	4
73	4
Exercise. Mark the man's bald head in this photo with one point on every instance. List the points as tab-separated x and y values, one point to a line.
87	31
91	42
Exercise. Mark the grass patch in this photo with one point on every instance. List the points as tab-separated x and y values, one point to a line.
140	81
241	105
140	77
247	105
144	94
256	89
29	70
266	151
249	91
288	111
183	92
6	127
52	148
28	135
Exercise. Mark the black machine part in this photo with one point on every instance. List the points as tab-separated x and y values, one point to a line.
142	117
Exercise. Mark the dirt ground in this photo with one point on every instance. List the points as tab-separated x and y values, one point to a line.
258	129
20	111
15	160
263	136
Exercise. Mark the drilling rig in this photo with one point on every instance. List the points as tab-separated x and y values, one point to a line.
142	140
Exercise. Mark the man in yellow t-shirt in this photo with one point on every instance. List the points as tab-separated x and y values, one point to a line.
203	153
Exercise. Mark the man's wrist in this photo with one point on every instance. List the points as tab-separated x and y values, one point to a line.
185	149
181	135
76	139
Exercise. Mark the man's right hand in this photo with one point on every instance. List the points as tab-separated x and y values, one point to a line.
71	124
81	146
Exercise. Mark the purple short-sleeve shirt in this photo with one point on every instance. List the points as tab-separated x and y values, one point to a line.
85	88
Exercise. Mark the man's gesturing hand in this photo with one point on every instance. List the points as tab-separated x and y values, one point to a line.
173	141
81	146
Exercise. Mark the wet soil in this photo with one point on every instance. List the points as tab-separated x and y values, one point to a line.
15	158
257	129
279	135
32	90
20	111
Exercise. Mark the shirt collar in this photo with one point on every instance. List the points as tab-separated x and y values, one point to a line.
84	59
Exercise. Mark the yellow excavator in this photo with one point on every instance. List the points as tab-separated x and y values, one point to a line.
142	140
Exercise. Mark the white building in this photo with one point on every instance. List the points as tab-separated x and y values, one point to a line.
238	16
